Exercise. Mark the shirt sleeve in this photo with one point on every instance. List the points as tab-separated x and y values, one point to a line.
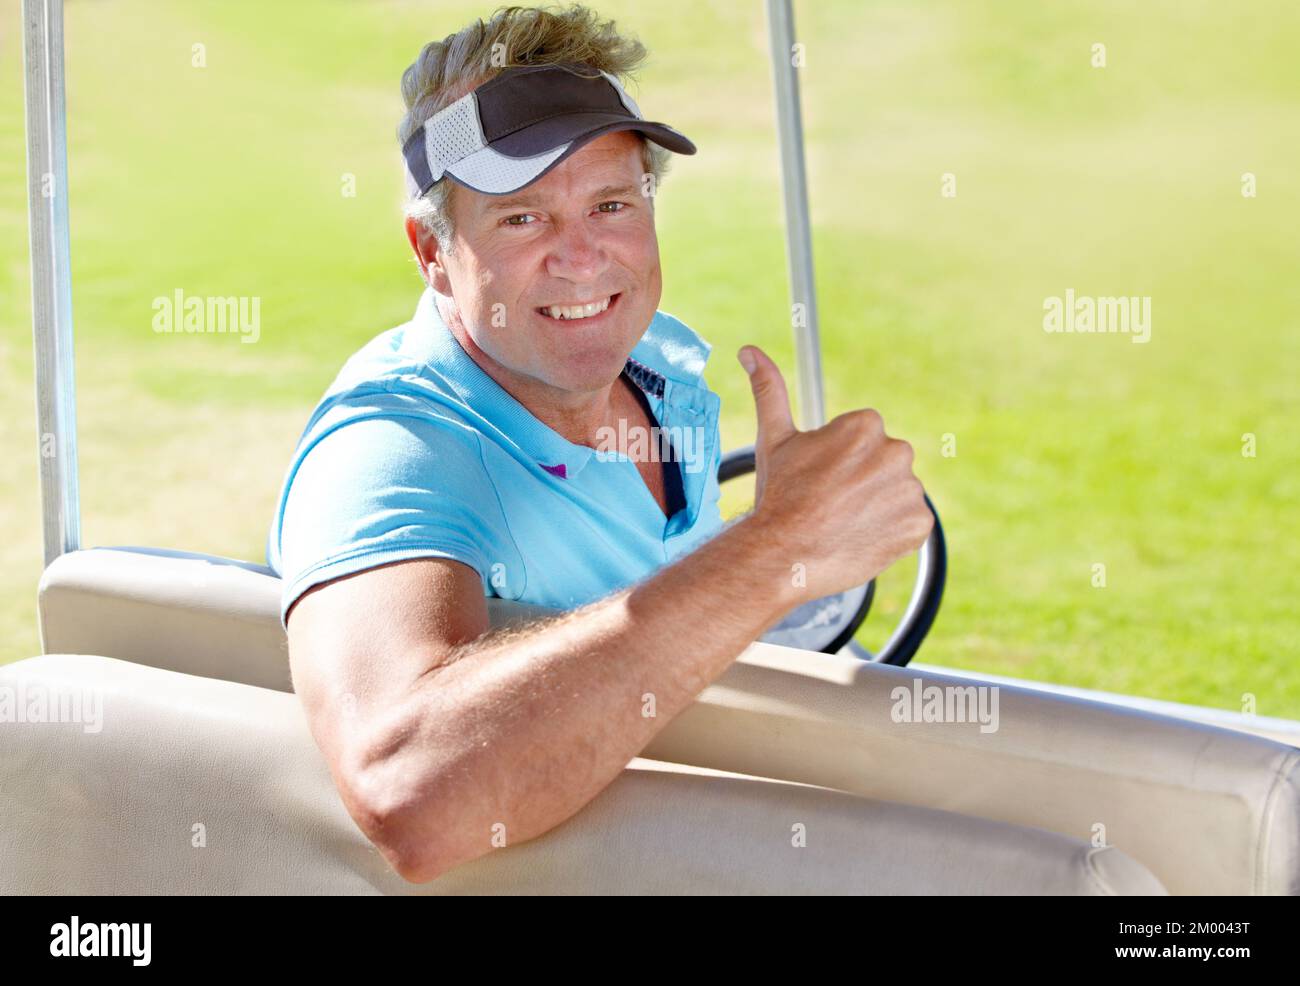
384	489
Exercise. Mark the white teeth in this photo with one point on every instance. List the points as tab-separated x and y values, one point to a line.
578	311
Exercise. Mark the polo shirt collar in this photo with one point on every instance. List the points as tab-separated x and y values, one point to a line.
547	447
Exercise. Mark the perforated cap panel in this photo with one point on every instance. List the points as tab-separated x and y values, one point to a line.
452	134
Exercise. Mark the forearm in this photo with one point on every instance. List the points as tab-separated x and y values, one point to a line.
508	736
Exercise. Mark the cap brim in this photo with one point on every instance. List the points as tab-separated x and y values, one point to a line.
492	171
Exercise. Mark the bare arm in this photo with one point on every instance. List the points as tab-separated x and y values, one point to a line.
443	737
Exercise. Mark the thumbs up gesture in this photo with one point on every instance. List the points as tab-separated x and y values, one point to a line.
841	500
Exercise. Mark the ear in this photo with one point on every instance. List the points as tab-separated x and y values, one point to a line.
428	254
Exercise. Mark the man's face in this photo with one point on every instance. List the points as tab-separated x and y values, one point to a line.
582	233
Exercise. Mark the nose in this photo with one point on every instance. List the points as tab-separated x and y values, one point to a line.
577	254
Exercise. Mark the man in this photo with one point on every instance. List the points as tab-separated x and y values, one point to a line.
489	447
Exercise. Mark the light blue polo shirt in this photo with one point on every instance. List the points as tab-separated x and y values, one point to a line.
415	452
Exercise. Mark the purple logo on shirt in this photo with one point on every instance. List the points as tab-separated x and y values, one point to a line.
556	470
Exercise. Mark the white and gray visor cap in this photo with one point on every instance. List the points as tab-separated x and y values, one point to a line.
520	124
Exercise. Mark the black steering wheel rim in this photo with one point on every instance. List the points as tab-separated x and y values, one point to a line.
927	592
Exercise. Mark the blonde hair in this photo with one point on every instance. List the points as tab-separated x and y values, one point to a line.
446	70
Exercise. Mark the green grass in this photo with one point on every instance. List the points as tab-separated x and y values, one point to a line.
1071	450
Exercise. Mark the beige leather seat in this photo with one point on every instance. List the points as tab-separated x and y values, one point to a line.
197	785
1066	796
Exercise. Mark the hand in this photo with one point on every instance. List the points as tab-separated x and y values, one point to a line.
840	501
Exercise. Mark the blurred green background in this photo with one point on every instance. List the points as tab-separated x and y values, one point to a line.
1071	450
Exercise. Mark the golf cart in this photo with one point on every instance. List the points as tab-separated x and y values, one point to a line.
155	746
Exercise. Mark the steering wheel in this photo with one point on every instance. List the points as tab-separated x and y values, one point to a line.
828	624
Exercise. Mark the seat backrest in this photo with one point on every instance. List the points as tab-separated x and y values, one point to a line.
1209	810
176	784
189	612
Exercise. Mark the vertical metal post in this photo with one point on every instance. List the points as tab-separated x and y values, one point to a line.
798	235
47	199
932	565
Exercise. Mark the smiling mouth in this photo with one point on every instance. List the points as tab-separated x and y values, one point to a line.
577	313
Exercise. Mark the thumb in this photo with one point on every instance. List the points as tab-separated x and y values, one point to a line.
771	400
